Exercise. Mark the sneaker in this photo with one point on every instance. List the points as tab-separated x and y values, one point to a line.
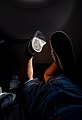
36	44
62	51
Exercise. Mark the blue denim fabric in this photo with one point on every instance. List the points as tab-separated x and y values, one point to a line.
52	99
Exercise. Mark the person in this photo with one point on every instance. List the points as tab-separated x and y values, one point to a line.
57	97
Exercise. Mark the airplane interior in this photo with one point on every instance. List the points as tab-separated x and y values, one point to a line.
20	19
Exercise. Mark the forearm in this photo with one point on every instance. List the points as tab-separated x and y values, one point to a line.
30	69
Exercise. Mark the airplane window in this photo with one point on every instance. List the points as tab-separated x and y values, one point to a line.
31	3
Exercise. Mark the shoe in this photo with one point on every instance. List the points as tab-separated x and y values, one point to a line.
62	51
35	45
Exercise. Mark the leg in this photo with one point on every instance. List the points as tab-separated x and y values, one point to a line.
62	48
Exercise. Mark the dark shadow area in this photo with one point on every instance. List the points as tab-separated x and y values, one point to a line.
19	23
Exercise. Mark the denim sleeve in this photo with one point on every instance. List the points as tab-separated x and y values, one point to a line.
41	99
30	84
33	91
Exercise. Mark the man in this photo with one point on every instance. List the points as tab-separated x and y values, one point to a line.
55	98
